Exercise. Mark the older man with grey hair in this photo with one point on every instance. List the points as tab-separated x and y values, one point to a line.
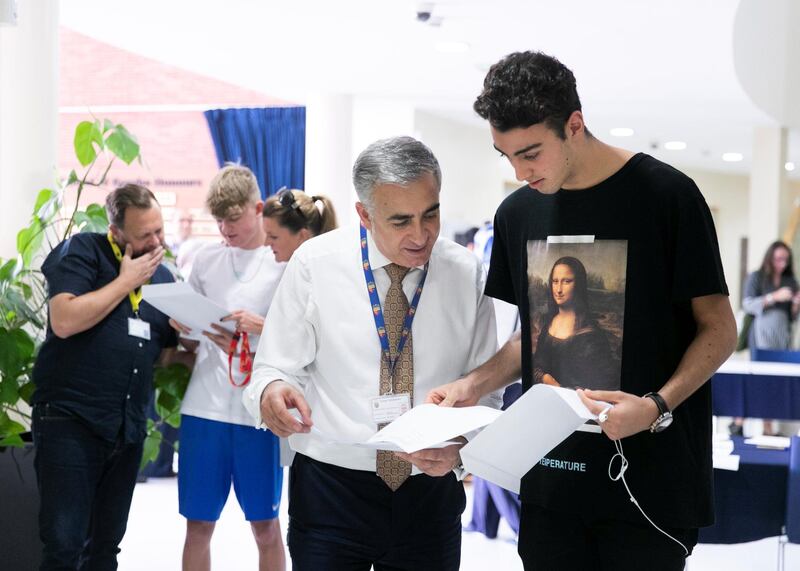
364	323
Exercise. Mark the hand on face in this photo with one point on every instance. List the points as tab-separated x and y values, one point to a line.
135	272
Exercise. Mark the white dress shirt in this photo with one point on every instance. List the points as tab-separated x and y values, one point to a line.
321	337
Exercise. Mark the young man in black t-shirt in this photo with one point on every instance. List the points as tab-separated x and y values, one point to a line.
612	258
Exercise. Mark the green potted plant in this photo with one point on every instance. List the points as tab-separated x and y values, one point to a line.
98	145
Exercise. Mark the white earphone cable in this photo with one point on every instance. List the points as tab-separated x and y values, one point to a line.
621	476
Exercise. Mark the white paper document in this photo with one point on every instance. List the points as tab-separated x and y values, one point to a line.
186	306
776	442
725	461
430	426
531	427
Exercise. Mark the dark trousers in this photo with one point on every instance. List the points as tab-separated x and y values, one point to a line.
86	484
553	541
349	520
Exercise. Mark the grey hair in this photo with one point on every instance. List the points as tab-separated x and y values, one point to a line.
398	160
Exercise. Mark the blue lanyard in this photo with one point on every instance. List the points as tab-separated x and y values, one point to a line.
377	312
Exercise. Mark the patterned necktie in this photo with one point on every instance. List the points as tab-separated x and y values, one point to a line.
390	468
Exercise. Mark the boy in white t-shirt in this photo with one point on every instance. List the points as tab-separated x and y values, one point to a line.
218	443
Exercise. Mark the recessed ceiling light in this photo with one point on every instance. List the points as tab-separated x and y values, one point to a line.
732	157
675	145
622	132
789	166
452	47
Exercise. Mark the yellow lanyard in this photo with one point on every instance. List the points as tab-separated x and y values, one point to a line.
136	295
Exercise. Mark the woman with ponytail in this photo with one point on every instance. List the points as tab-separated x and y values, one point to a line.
291	217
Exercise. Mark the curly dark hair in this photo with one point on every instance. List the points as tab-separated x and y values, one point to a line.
526	88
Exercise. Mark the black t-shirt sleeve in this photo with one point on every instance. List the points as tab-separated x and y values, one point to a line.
72	267
500	280
697	263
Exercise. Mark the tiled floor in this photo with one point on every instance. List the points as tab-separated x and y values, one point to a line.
155	539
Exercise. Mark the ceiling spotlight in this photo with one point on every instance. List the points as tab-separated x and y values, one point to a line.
424	11
789	166
675	145
621	132
452	47
732	157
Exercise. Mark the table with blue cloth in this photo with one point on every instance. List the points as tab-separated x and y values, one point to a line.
749	504
756	389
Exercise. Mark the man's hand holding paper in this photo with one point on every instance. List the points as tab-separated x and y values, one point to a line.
628	415
436	461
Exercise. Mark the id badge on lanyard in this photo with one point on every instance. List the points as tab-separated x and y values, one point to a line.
138	328
388	408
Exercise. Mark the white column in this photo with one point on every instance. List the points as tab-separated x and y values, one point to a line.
329	128
769	197
28	114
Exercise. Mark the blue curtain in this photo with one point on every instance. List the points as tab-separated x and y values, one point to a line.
269	141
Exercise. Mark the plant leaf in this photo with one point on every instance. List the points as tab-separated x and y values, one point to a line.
26	391
13	440
152	444
94	219
123	144
29	240
7	271
9	391
87	135
45	195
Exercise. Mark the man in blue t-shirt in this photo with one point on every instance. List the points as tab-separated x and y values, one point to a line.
612	258
93	379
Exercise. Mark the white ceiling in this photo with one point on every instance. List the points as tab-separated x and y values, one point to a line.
662	67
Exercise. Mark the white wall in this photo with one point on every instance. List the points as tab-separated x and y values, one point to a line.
727	196
473	174
329	134
28	114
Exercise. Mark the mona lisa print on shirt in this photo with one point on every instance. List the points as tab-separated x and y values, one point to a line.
576	291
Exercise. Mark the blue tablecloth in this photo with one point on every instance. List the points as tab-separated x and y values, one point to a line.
749	504
756	396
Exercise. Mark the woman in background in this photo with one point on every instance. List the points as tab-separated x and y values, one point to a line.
291	217
772	296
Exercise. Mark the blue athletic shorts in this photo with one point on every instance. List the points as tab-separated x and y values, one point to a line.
212	454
